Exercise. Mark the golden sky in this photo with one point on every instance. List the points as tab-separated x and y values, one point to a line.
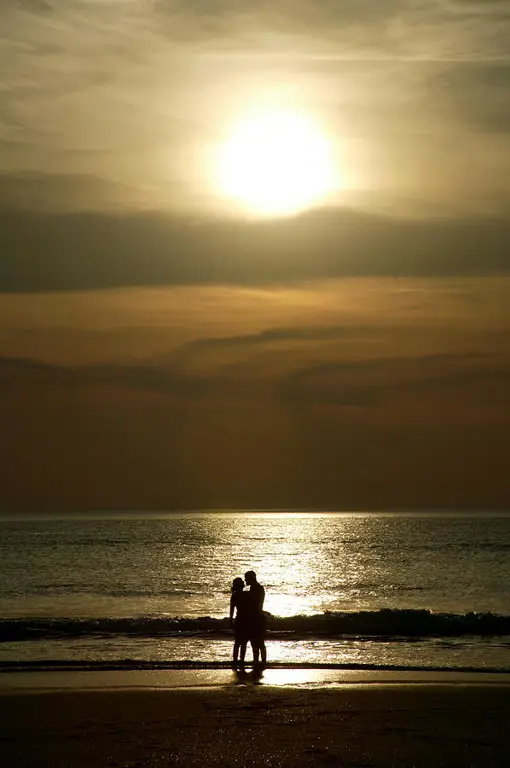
163	346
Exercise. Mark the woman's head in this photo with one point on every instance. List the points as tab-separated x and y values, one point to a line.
237	584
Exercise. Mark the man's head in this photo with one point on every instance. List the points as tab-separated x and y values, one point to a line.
250	578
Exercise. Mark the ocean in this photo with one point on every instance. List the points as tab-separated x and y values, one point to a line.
382	590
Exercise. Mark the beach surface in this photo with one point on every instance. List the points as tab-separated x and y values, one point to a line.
238	721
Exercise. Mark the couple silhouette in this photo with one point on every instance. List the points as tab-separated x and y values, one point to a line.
247	619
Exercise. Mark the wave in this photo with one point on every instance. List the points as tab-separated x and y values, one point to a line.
368	624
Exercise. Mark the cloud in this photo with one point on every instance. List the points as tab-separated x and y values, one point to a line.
481	7
16	370
35	6
89	251
476	95
349	383
433	30
272	336
56	192
374	382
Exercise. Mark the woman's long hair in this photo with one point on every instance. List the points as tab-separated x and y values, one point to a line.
237	585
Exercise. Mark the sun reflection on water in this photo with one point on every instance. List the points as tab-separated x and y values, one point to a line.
300	579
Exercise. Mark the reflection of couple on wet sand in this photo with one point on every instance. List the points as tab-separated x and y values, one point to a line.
249	623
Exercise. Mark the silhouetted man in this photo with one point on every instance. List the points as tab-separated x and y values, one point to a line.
257	594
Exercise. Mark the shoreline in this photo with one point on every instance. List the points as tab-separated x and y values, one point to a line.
26	681
52	665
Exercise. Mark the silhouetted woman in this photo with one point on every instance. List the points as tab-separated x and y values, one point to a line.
241	605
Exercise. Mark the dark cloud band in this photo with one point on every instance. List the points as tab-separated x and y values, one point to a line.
92	251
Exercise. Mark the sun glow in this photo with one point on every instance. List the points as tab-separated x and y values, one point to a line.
276	164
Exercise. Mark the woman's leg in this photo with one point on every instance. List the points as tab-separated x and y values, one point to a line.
235	654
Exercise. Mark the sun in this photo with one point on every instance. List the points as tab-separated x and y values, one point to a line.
276	164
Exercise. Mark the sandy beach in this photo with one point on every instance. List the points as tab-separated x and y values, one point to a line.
366	724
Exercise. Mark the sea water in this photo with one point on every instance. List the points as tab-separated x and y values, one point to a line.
383	589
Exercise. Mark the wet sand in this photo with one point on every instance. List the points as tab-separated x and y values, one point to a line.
365	724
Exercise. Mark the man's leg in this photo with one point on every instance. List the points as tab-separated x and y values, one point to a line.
263	652
255	648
